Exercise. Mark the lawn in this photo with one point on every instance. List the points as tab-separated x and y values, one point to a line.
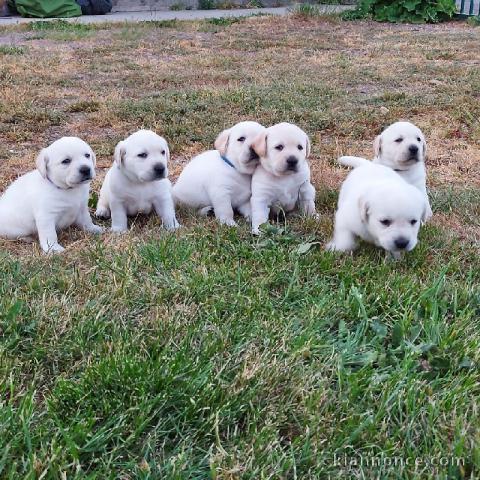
210	353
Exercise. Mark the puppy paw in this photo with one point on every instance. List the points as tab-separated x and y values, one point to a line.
172	226
117	229
54	249
102	212
205	211
97	229
230	222
256	231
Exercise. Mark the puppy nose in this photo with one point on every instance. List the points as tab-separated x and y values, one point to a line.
401	243
253	154
413	149
159	169
292	161
85	170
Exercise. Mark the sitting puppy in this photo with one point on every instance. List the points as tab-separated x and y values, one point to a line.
378	206
401	147
221	179
137	182
52	197
283	177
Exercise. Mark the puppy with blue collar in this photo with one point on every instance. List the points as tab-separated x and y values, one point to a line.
52	197
221	179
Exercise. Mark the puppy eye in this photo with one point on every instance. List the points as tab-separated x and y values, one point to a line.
279	148
386	222
87	155
419	139
300	147
413	222
241	139
163	152
66	161
399	140
143	155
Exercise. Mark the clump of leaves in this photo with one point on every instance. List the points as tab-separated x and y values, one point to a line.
407	11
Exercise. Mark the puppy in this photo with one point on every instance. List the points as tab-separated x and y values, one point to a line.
221	179
380	207
137	182
282	180
402	147
52	197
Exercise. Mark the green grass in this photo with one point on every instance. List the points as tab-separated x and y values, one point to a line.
189	356
11	50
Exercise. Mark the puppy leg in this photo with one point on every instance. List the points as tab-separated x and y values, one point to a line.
246	210
344	240
103	210
47	235
222	206
119	217
84	221
260	211
306	199
166	211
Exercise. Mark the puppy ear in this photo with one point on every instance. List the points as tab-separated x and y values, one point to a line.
377	145
260	145
307	153
364	209
221	143
42	162
119	155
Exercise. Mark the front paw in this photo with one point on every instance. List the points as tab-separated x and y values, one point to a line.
102	212
54	249
118	229
256	231
230	222
172	226
96	229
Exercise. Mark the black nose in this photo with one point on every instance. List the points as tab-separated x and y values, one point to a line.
85	171
159	169
413	149
292	161
253	154
401	243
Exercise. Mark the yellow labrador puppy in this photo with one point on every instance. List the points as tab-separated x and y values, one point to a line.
401	147
378	206
221	179
52	197
137	182
282	180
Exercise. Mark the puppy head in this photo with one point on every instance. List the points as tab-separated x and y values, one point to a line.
282	149
400	146
392	215
143	156
236	145
67	163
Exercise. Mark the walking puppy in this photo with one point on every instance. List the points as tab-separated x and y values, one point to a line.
282	180
221	179
378	206
137	182
402	147
52	197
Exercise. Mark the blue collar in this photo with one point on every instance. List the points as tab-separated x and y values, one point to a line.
227	161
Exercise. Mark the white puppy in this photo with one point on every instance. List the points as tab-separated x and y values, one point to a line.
137	182
52	197
221	179
282	180
402	147
378	206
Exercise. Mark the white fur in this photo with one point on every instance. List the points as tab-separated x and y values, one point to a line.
51	198
371	194
208	182
392	150
275	183
137	182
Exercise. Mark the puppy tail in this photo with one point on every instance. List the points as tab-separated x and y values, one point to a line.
353	161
